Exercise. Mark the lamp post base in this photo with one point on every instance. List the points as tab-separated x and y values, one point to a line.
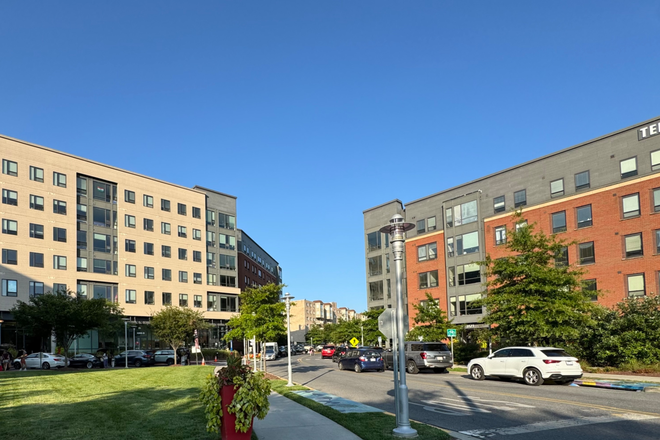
404	432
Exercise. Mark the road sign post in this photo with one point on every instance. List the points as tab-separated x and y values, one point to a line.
451	332
387	326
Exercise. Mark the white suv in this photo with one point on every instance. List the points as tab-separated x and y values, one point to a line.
532	364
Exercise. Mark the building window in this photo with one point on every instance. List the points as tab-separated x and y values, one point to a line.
636	285
197	301
467	243
428	279
210	238
164	205
130	270
211	279
373	241
586	253
375	265
149	273
557	188
9	287
183	254
59	262
11	227
226	280
449	218
103	191
183	276
376	291
37	174
129	221
59	234
148	248
520	198
228	262
561	258
167	298
9	256
559	222
58	287
129	196
197	278
464	305
197	234
81	264
165	228
583	214
500	235
210	259
166	251
166	274
148	297
59	207
129	246
81	240
427	252
36	203
628	167
226	221
36	288
632	245
183	300
10	168
148	201
36	259
227	241
10	197
463	214
630	205
450	247
130	296
102	266
421	226
102	217
656	200
655	160
181	209
430	223
498	204
582	180
210	217
148	224
590	286
468	274
196	212
59	179
197	256
183	231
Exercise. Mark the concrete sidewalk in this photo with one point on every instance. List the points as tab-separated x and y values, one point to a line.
289	420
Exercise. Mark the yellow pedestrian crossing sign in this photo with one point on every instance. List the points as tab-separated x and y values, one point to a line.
354	342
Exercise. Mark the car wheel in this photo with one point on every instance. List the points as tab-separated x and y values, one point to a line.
17	365
340	366
46	366
170	362
382	370
138	363
477	373
533	377
89	365
358	368
385	366
411	367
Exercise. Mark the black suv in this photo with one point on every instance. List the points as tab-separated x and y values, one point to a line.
136	358
339	352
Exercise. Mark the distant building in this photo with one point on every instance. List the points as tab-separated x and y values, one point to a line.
305	314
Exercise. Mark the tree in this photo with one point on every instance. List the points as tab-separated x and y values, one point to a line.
533	297
64	315
262	315
175	325
370	326
430	321
315	335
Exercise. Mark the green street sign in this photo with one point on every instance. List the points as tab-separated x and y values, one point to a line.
451	332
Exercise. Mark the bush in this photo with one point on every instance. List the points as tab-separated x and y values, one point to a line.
210	353
465	352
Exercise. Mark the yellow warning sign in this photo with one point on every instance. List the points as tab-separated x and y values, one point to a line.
354	342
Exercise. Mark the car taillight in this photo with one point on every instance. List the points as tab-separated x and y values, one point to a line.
57	359
363	359
423	355
550	361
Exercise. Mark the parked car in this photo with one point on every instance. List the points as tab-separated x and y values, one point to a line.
361	359
271	354
435	356
48	361
327	352
531	364
85	360
339	352
136	358
283	351
166	357
300	349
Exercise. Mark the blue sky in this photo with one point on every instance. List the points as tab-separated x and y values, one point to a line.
312	111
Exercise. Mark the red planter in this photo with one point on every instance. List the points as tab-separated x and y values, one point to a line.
228	427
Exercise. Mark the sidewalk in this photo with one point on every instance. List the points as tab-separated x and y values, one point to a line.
289	420
622	377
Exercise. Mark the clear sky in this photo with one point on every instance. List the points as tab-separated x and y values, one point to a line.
312	111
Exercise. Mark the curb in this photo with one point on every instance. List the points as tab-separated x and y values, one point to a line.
627	386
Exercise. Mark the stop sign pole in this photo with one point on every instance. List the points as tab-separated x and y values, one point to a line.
386	325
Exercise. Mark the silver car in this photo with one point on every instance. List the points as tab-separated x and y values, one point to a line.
434	356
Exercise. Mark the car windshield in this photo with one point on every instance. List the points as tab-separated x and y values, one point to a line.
270	351
555	353
370	353
436	347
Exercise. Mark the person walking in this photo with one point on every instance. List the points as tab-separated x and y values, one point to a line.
105	360
23	365
5	360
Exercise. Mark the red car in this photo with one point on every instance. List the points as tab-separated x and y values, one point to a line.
328	351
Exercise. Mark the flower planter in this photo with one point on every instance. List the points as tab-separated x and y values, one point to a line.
228	427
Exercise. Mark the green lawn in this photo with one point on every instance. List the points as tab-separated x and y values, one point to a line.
138	403
367	426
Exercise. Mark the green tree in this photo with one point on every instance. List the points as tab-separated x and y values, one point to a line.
370	326
64	315
430	321
175	325
533	297
315	335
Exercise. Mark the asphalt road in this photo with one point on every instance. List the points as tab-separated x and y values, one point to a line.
491	409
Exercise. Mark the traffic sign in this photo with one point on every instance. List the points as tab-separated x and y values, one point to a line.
451	332
385	323
354	341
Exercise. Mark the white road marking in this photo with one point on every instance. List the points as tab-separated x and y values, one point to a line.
466	405
556	424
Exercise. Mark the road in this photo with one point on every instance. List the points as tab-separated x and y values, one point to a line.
492	409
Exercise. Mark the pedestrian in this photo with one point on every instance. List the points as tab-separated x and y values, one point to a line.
105	360
5	360
184	358
23	356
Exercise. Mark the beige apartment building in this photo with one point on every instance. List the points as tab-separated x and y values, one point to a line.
69	223
305	314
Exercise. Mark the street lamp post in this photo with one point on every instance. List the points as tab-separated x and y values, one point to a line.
397	229
126	344
288	299
362	333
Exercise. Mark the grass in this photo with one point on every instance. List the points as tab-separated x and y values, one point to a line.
144	403
629	367
458	369
367	426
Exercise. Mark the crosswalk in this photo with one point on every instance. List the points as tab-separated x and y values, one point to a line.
467	405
